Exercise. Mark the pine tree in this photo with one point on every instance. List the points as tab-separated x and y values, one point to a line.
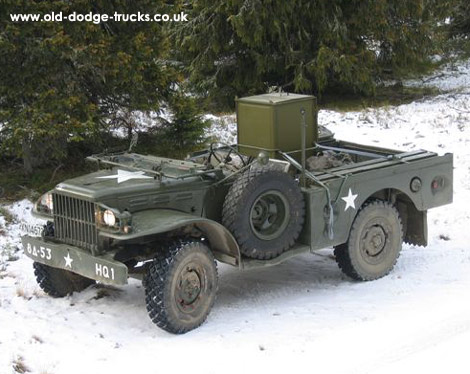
61	81
241	47
460	22
184	131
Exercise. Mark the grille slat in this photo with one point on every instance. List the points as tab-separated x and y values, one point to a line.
74	222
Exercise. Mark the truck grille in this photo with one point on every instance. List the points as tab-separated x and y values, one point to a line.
74	222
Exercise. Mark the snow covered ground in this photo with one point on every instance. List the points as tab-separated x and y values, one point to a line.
301	316
454	76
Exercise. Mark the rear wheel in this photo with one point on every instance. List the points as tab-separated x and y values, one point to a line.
180	286
374	242
58	282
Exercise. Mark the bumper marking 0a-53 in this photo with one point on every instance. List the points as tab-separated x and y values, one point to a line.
67	257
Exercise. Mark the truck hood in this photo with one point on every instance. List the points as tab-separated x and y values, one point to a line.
103	183
118	182
136	182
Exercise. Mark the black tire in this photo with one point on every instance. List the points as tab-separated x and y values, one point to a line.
58	282
374	242
180	286
248	213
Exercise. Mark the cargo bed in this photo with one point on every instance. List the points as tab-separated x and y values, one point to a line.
374	173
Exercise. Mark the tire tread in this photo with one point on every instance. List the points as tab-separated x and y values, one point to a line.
155	279
58	282
342	254
234	199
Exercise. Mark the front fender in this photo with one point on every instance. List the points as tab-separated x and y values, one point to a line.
159	221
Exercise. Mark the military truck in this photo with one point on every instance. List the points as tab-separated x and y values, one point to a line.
287	187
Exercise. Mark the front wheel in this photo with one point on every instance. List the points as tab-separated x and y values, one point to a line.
374	242
180	286
58	282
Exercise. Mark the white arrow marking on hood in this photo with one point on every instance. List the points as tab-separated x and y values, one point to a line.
124	175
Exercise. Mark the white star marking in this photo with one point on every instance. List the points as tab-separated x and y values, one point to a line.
349	200
124	175
68	261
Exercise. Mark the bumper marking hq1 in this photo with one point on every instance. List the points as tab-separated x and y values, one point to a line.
74	259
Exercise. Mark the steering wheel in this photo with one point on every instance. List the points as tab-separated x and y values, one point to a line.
226	159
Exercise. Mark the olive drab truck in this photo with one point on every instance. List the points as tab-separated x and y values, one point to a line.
287	187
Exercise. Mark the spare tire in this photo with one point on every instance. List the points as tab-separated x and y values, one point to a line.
265	211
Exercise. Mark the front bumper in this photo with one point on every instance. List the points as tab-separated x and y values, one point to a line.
67	257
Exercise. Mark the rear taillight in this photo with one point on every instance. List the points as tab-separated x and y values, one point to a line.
437	184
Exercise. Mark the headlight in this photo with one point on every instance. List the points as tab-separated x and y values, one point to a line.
47	201
44	206
109	218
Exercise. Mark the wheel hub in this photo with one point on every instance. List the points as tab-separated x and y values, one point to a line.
189	287
269	215
374	241
260	212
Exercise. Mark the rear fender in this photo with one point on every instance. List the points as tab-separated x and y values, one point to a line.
414	221
160	221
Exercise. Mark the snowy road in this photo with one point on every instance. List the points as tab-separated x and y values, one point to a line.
302	315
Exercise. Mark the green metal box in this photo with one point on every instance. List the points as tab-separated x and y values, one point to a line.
272	122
